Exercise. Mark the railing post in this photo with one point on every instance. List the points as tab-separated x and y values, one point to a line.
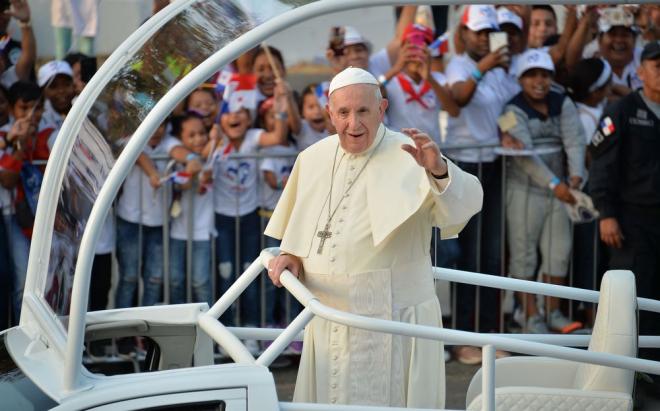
488	378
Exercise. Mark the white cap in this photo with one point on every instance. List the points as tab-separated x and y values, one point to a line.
353	36
350	76
506	16
534	58
52	69
480	17
615	16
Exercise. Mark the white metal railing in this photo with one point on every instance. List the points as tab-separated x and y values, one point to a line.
489	342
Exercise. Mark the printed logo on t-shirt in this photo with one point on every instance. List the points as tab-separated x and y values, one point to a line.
237	175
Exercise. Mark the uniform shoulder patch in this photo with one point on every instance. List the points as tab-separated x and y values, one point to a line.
606	126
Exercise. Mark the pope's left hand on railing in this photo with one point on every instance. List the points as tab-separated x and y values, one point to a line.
283	262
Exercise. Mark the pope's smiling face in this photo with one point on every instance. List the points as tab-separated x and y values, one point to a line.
356	111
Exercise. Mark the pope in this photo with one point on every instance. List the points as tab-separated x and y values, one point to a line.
355	222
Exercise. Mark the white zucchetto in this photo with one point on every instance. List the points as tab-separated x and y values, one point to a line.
350	76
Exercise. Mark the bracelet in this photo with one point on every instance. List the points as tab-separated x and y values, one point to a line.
476	75
441	177
554	183
282	116
382	80
25	24
279	185
191	157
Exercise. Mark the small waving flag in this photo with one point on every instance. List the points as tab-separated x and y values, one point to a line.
223	78
177	177
321	92
240	92
440	46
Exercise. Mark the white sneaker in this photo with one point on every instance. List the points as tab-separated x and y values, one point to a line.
252	346
536	325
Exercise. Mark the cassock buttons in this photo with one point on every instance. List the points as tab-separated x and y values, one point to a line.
333	400
334	385
332	259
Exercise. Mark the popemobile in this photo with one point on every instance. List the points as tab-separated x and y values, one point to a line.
160	63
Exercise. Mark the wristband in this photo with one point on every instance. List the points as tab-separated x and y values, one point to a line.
382	80
191	157
441	177
25	24
476	75
554	183
281	116
279	185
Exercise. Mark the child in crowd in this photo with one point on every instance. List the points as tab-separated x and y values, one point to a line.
140	209
83	68
27	139
315	124
589	87
236	201
543	25
275	172
197	202
56	80
203	102
538	185
415	93
267	81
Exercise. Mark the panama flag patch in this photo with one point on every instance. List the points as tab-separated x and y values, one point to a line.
606	126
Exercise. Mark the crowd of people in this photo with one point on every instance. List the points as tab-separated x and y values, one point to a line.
503	77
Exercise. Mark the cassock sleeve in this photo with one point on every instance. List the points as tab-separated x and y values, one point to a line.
282	213
455	200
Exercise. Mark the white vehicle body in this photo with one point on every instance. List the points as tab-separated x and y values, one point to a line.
47	346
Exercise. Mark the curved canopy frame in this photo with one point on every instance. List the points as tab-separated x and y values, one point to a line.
100	188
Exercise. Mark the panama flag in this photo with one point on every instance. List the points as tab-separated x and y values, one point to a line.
240	92
321	92
606	126
440	46
224	77
177	177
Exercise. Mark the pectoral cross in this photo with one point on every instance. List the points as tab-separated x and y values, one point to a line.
323	235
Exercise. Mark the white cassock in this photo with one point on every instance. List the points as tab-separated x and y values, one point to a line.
376	263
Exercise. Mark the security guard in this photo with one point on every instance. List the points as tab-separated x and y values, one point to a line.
625	184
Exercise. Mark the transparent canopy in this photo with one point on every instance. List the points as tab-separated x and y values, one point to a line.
187	39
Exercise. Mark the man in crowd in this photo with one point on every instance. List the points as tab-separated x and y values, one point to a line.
360	251
625	185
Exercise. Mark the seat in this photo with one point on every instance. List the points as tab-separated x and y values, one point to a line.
542	383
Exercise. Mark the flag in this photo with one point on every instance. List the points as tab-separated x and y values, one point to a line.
240	92
321	92
607	126
440	46
221	81
177	177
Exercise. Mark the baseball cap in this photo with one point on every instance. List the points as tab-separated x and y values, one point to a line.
615	16
534	58
350	76
651	51
353	36
52	69
417	31
506	16
480	17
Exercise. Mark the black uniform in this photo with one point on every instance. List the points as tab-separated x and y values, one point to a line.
625	184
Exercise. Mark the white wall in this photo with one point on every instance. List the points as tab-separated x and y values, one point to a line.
303	42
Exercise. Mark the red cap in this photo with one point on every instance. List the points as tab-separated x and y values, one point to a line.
413	31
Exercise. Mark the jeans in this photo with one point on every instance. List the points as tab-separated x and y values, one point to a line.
201	271
480	244
276	298
99	286
230	267
19	248
128	252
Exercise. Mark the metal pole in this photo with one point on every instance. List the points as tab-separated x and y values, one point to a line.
503	243
189	238
488	378
167	190
477	290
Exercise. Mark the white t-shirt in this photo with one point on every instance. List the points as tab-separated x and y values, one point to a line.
477	123
379	62
589	117
149	210
308	136
202	211
235	181
106	242
403	113
281	167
